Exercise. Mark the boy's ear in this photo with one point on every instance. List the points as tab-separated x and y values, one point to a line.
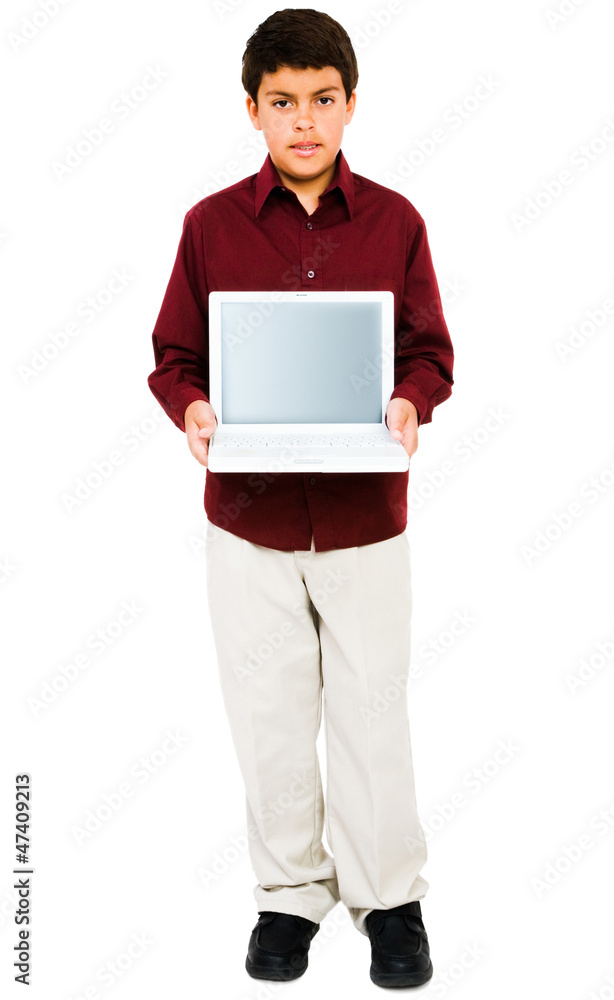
350	108
252	110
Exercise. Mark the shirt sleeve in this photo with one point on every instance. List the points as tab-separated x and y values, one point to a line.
424	355
181	334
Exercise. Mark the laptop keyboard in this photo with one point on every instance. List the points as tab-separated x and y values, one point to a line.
307	440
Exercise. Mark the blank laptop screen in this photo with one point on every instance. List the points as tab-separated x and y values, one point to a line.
300	362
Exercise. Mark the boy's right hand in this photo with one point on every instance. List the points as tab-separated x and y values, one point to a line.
200	423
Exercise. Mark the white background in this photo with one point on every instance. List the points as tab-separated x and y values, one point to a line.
506	885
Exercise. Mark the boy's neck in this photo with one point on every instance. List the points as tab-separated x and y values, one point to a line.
308	201
308	191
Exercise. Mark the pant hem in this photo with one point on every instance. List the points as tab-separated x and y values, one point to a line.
296	911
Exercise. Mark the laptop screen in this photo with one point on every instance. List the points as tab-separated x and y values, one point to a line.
301	362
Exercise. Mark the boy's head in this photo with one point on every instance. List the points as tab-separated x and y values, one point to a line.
300	71
300	39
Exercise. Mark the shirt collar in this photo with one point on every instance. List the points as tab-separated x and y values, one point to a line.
267	178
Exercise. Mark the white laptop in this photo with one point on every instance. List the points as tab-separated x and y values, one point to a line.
300	382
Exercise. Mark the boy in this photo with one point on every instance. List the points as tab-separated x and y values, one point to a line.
308	575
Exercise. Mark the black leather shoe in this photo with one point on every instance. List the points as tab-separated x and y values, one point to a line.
278	945
399	946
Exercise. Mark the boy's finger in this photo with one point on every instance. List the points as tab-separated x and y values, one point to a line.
200	452
396	426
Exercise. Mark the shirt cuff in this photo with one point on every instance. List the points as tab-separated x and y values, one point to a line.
413	396
182	397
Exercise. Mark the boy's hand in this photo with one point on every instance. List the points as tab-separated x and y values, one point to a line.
402	421
200	423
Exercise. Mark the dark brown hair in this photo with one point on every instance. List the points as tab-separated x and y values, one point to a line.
300	39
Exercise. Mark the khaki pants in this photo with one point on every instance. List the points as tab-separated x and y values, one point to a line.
289	626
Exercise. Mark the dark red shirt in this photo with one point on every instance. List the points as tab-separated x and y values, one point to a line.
256	236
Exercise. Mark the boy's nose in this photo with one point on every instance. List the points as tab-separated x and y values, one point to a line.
303	120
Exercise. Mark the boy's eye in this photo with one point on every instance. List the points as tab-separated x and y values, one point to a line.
283	103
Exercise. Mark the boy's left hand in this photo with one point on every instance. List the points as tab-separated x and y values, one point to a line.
402	421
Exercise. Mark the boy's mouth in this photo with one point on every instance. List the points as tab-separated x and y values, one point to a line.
306	148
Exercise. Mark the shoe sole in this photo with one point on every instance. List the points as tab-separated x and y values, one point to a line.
399	979
283	975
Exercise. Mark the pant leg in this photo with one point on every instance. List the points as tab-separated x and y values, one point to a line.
268	653
363	598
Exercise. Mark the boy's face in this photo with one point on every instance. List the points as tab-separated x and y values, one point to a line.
302	114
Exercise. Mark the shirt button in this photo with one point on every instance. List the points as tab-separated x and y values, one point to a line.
308	225
311	274
312	481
